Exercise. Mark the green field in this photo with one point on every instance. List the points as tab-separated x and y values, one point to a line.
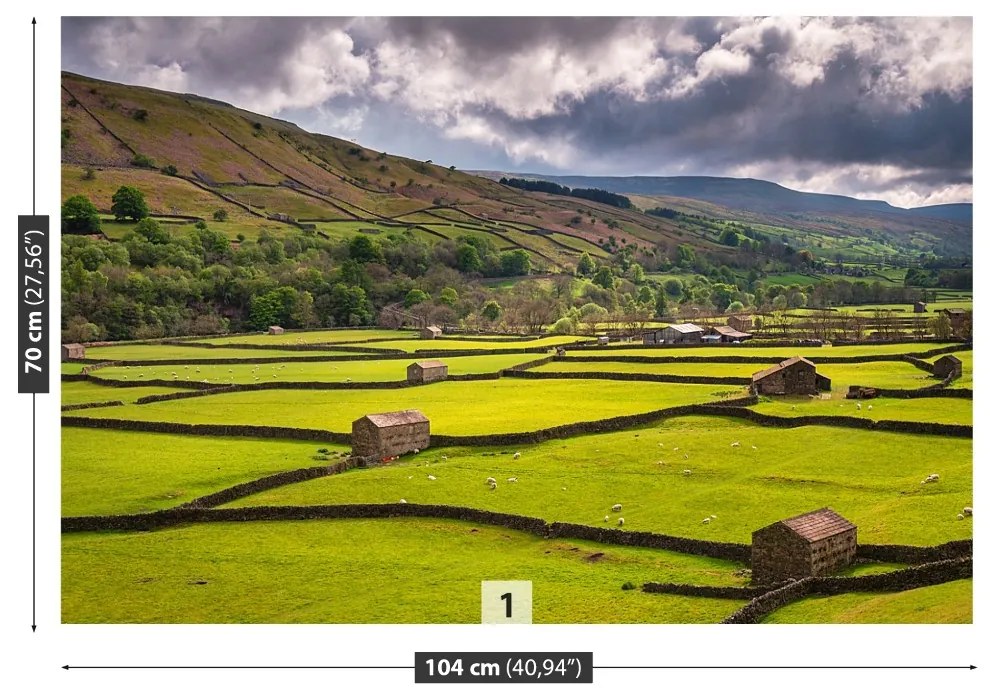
948	603
469	408
328	337
87	392
357	371
451	344
368	571
140	475
148	351
939	410
579	479
743	350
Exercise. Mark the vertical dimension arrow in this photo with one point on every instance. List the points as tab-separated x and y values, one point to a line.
33	315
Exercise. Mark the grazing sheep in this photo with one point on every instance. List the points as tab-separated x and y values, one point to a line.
621	522
513	479
968	510
517	455
754	447
662	463
490	480
706	521
660	444
415	450
617	507
563	488
431	477
676	448
402	500
443	457
493	486
606	518
735	444
140	375
687	472
960	516
713	517
870	407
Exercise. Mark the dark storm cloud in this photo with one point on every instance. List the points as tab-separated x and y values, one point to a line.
878	107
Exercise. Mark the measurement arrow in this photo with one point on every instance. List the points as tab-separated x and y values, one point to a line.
799	668
34	115
238	668
34	210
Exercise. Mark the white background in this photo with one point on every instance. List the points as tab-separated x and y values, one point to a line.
32	662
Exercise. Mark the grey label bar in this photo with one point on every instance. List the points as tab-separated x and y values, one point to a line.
33	322
503	667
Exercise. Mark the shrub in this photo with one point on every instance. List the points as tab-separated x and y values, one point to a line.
89	174
80	216
170	170
628	586
142	161
140	115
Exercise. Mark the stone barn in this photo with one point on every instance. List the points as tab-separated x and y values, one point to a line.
958	319
431	333
426	371
728	334
741	322
947	365
818	543
796	375
603	340
380	435
920	307
680	334
275	330
73	351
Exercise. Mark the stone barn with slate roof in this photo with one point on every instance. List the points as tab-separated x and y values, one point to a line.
795	375
380	435
426	371
728	334
920	307
275	330
818	543
73	351
431	333
946	366
741	322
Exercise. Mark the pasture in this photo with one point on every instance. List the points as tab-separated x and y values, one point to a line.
745	474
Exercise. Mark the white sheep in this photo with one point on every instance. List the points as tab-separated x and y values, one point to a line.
859	407
490	480
606	518
870	407
676	448
968	510
617	507
662	463
706	521
960	516
443	457
660	444
415	450
687	472
517	455
735	444
754	447
431	477
513	479
402	500
713	517
493	486
621	522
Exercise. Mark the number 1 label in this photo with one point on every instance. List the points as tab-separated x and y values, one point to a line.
507	602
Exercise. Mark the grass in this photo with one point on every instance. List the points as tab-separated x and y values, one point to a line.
579	479
367	571
937	410
307	337
148	351
140	475
72	367
743	350
469	408
948	603
358	371
448	344
88	392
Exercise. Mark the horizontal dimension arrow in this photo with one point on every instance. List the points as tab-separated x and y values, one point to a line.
800	668
67	667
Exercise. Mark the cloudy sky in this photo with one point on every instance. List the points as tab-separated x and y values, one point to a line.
877	107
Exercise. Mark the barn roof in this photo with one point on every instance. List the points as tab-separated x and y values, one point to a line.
818	524
428	364
731	332
948	358
388	420
953	312
780	366
275	328
687	328
435	329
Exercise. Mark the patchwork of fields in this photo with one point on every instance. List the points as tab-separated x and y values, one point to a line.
678	467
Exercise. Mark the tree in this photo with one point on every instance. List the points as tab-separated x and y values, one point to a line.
729	237
515	263
636	274
80	216
364	250
152	231
491	311
220	215
415	296
468	259
661	302
448	296
128	203
674	288
604	277
585	266
735	307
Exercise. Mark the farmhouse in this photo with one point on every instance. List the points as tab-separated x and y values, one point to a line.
380	435
73	351
920	307
795	375
741	322
426	371
946	366
430	333
275	330
814	544
680	333
728	334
